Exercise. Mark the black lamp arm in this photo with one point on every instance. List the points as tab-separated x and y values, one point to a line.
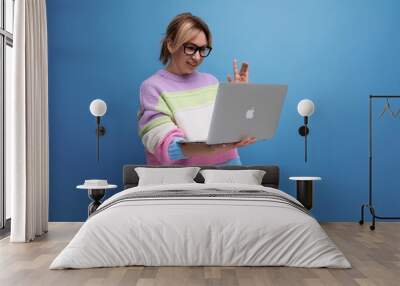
100	130
304	131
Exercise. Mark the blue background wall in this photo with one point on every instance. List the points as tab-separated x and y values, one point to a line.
333	52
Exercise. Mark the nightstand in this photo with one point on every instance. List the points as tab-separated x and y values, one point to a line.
305	190
96	191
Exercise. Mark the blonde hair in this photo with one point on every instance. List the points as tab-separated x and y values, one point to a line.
179	31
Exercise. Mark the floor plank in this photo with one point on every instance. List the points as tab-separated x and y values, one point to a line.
375	257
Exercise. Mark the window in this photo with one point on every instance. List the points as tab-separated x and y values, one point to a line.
6	57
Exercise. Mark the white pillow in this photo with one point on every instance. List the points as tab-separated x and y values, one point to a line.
249	177
163	176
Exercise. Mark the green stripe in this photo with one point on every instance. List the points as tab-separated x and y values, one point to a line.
163	107
181	100
154	123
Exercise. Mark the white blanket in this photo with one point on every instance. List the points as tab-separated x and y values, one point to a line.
182	231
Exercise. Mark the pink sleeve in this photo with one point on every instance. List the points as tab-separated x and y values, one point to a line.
161	151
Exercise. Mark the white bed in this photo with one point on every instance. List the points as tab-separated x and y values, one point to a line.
245	225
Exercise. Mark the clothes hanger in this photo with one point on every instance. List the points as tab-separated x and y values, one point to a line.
388	108
395	114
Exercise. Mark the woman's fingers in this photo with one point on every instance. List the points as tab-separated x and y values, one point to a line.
244	72
244	68
241	76
236	70
246	141
235	66
251	141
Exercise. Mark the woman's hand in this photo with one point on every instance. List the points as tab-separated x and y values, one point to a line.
241	76
190	149
245	142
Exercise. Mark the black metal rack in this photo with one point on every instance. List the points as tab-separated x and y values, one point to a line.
369	205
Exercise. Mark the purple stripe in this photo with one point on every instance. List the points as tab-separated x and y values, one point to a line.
149	97
168	82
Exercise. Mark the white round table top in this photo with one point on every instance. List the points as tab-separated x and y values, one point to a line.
305	178
96	187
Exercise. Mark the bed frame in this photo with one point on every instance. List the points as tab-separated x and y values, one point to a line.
270	179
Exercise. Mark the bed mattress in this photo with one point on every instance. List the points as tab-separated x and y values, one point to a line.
201	225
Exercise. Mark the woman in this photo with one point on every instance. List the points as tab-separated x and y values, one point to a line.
177	101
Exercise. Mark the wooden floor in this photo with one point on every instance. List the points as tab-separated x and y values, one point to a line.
375	257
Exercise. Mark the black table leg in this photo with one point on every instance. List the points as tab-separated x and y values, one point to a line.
96	195
305	193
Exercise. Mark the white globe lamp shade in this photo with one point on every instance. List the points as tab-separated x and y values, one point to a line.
305	107
98	107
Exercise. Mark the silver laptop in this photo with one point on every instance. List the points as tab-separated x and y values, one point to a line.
245	110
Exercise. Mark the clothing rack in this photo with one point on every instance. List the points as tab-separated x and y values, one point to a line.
370	205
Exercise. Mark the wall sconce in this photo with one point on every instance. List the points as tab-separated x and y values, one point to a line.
98	108
306	109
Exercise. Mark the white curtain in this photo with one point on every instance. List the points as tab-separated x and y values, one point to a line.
27	124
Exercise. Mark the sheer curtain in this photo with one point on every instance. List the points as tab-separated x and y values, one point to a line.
27	124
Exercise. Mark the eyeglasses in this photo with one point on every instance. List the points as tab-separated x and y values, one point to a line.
191	49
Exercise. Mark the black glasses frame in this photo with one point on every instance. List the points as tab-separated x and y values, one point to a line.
196	48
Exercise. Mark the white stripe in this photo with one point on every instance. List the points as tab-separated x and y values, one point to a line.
154	136
195	122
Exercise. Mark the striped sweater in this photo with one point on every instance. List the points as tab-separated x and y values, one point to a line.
173	108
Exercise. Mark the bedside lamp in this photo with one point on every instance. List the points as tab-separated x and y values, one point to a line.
306	109
98	108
